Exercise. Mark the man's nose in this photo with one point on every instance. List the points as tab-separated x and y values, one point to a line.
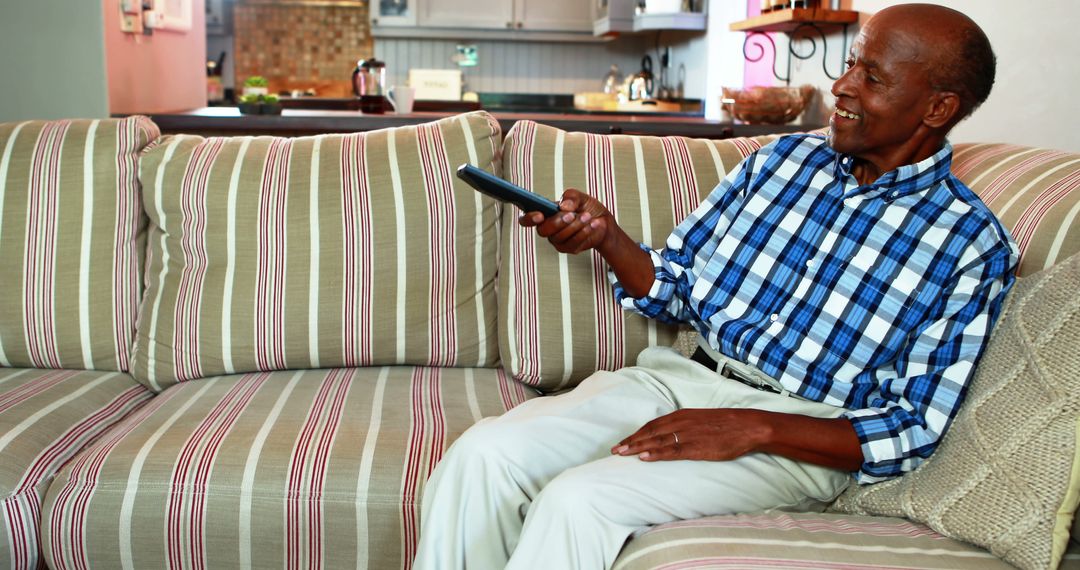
844	85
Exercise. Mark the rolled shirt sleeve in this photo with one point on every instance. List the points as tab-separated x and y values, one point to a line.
692	241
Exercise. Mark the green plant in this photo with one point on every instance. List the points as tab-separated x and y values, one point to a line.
271	98
255	81
251	98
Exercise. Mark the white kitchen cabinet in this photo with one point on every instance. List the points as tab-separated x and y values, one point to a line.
570	20
555	15
393	13
469	14
623	16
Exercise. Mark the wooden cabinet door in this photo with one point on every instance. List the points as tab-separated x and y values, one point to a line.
555	15
472	14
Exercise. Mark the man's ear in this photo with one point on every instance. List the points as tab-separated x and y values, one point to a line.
943	111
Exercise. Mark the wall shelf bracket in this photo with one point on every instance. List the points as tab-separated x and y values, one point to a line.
754	48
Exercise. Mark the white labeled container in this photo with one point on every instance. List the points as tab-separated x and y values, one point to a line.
436	84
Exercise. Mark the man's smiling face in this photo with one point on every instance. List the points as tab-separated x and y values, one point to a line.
884	94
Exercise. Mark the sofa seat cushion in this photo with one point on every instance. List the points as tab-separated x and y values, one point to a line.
1034	192
316	468
340	250
558	320
800	540
46	417
72	241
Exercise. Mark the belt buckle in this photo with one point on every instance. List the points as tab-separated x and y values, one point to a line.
729	372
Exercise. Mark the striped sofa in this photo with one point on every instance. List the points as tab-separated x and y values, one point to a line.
250	352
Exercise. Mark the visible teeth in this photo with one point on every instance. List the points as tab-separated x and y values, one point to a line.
846	115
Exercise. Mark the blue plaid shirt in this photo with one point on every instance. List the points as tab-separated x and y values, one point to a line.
878	299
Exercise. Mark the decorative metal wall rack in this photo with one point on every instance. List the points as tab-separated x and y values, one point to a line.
798	24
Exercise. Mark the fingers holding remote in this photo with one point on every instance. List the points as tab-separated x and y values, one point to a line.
581	223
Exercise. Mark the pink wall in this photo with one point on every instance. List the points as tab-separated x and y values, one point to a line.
758	72
159	73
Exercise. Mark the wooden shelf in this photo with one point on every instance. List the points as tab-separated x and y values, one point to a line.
788	20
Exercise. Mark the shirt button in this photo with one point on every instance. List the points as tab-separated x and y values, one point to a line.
810	263
774	317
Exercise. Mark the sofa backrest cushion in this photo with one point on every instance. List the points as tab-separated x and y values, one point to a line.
72	241
335	250
1035	192
558	320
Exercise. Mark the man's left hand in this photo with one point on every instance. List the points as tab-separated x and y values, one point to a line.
701	434
723	434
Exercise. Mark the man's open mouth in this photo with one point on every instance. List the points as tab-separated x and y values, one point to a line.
847	115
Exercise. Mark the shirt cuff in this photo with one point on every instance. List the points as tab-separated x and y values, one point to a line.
885	455
659	295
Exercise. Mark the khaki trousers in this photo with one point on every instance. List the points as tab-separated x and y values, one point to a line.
538	487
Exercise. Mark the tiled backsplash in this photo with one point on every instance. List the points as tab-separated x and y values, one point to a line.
302	44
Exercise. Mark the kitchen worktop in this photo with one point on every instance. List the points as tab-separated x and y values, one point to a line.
296	122
516	103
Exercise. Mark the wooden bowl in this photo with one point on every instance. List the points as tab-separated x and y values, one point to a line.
769	105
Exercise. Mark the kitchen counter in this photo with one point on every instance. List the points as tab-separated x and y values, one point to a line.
223	121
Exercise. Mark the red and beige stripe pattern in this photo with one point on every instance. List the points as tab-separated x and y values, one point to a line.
71	227
1034	192
358	246
800	541
288	469
338	250
46	417
560	322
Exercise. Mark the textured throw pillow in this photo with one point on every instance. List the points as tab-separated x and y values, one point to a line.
1006	474
558	319
72	241
337	250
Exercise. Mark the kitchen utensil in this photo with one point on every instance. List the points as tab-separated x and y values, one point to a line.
369	85
611	81
642	85
665	90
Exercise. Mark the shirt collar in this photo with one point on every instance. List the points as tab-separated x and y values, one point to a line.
902	181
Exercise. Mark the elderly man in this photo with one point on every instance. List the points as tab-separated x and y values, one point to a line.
844	288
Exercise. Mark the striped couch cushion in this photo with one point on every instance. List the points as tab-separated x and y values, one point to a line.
304	469
46	416
336	250
800	541
72	241
649	183
1035	192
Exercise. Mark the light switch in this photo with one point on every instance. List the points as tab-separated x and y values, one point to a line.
130	6
129	23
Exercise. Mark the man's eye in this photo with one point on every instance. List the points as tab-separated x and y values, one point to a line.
849	63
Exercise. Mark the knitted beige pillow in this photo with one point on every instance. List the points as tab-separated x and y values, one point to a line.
1006	474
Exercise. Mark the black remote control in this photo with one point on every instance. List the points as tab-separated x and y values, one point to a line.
505	191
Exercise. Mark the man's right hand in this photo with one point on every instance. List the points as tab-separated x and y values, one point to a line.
582	223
